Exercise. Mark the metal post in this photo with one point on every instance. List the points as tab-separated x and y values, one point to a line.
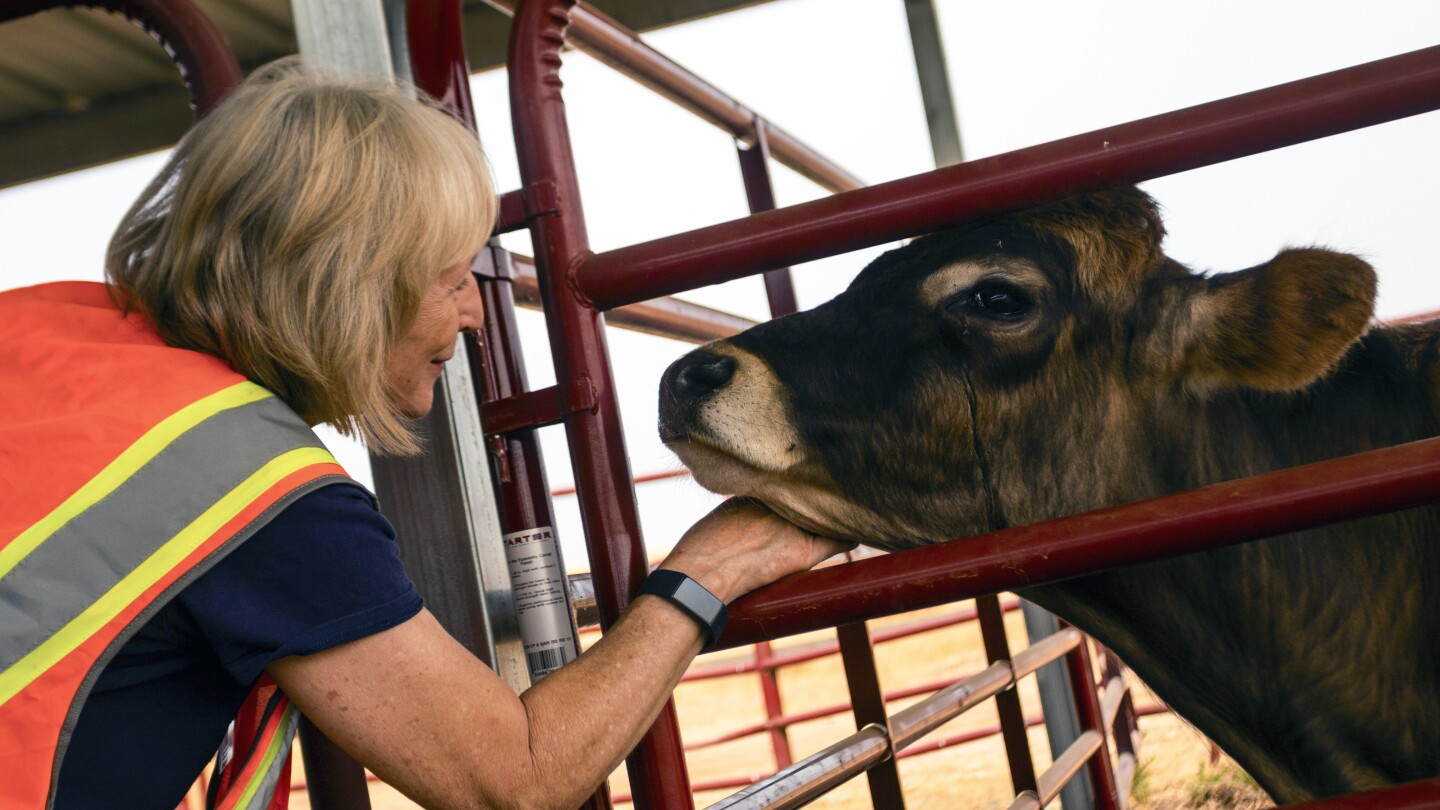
934	77
1007	703
475	548
497	370
1057	703
1102	774
1056	698
855	649
582	365
348	37
760	193
774	711
441	502
868	704
524	492
332	778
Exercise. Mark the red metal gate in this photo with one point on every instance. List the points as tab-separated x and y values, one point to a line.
577	285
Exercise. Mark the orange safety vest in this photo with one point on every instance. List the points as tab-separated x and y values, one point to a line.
127	469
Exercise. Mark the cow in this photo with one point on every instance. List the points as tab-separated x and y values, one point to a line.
1054	360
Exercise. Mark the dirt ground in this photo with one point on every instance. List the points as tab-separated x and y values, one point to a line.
1175	769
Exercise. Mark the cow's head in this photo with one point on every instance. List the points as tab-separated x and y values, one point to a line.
1001	372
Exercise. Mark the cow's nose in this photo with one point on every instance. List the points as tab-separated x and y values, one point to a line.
702	374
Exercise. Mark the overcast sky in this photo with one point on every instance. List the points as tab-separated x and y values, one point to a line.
1022	72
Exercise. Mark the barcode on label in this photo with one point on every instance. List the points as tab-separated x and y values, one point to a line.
542	661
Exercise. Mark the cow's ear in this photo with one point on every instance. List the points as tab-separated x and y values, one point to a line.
1276	327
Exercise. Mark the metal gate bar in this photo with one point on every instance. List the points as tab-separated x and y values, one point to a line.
1283	115
774	662
1064	768
1423	795
1007	704
672	318
577	339
868	705
1369	483
856	653
700	673
1092	721
1114	694
1118	706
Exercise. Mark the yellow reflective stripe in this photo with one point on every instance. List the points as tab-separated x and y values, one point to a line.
164	560
279	740
125	465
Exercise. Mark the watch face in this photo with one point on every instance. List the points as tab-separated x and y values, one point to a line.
694	596
691	597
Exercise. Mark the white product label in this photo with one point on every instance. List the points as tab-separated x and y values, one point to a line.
538	583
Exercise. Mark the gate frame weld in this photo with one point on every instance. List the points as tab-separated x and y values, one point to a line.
526	204
541	407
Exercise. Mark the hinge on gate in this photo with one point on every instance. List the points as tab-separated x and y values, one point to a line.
501	453
534	409
519	207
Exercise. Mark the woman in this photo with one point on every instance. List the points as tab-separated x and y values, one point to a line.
173	531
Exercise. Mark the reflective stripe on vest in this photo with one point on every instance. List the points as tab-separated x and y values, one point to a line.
260	760
152	512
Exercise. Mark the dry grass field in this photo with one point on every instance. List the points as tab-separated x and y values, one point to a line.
1175	768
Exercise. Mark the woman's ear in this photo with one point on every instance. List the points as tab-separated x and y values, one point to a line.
1275	327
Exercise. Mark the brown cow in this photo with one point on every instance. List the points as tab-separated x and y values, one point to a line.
1055	361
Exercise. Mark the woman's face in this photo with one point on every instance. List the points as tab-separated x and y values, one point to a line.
450	306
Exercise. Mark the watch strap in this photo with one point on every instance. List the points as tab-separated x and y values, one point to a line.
691	597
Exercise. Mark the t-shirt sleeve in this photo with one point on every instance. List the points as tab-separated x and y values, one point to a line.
324	572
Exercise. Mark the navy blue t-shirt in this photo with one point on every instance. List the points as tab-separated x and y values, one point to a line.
323	572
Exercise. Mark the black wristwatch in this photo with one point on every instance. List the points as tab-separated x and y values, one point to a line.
691	597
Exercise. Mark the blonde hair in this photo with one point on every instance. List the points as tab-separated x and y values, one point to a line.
295	230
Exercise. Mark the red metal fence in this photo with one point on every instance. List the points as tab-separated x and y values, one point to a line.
577	285
765	666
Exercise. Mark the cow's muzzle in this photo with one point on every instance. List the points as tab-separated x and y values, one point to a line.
686	385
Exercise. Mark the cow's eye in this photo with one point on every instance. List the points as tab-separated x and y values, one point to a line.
998	301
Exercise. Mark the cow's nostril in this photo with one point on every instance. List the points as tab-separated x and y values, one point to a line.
703	375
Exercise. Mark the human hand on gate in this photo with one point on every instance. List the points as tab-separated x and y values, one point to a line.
741	545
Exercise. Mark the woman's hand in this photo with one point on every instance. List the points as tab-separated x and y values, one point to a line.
741	546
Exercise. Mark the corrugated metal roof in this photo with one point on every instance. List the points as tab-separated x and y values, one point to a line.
80	87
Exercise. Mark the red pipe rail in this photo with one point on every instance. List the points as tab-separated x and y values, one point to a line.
1092	722
1360	485
1424	795
577	337
700	673
1283	115
204	59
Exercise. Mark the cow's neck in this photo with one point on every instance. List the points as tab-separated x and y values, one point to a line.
1191	627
